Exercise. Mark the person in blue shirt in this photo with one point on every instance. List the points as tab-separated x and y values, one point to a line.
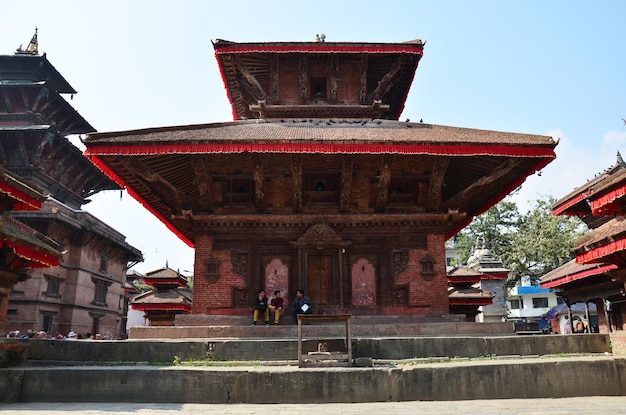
301	305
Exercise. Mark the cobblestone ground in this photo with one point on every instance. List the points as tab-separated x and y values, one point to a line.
595	405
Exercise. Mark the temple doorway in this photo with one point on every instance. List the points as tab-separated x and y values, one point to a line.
319	278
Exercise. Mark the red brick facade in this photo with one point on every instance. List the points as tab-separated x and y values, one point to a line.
85	294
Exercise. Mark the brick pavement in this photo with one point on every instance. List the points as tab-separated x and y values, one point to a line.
605	405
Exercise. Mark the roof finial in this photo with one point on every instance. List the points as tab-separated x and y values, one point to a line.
31	49
620	160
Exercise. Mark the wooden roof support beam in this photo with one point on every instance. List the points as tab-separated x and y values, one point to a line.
258	176
334	75
44	93
24	98
387	81
237	100
22	146
203	181
304	78
384	179
363	80
3	155
7	101
438	175
161	188
275	80
346	183
471	191
247	81
296	179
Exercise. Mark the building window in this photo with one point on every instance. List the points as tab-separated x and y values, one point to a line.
103	264
321	188
101	290
403	190
47	323
236	190
541	302
516	304
318	88
54	284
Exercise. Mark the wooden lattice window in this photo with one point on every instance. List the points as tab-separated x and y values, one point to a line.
428	267
212	269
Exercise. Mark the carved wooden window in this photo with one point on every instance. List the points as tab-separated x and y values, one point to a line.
212	269
428	266
318	88
237	189
321	187
403	190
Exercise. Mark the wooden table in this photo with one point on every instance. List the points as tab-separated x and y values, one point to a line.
319	359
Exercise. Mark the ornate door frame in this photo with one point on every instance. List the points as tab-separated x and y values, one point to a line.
321	239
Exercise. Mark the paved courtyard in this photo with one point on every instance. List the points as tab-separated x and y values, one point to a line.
605	405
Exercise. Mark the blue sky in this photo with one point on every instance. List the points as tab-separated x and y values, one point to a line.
538	67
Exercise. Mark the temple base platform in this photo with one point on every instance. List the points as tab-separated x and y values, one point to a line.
190	326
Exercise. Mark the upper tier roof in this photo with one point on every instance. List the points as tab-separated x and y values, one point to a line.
317	79
32	68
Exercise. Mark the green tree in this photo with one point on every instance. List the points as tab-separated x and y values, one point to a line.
495	228
531	244
542	242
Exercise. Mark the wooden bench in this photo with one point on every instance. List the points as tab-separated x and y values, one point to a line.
325	358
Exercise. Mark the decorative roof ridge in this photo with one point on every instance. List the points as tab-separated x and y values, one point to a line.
570	199
353	47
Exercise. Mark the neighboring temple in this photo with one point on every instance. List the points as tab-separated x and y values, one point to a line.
169	297
21	247
84	292
478	289
598	273
316	184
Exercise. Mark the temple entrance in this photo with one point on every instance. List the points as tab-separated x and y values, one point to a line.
319	278
320	253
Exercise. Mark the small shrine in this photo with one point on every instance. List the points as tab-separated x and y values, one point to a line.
170	296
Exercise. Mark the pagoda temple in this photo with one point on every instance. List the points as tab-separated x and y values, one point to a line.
83	291
21	248
170	296
316	184
598	273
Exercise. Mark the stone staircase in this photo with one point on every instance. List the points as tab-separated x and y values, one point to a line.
264	370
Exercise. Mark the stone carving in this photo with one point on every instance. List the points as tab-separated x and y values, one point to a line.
400	262
320	234
239	262
400	297
242	298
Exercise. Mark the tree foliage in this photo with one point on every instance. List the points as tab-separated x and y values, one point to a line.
529	244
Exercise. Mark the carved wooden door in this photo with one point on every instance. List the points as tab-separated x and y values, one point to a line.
320	279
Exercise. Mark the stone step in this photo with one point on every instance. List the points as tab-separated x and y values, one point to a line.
453	381
246	320
286	349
